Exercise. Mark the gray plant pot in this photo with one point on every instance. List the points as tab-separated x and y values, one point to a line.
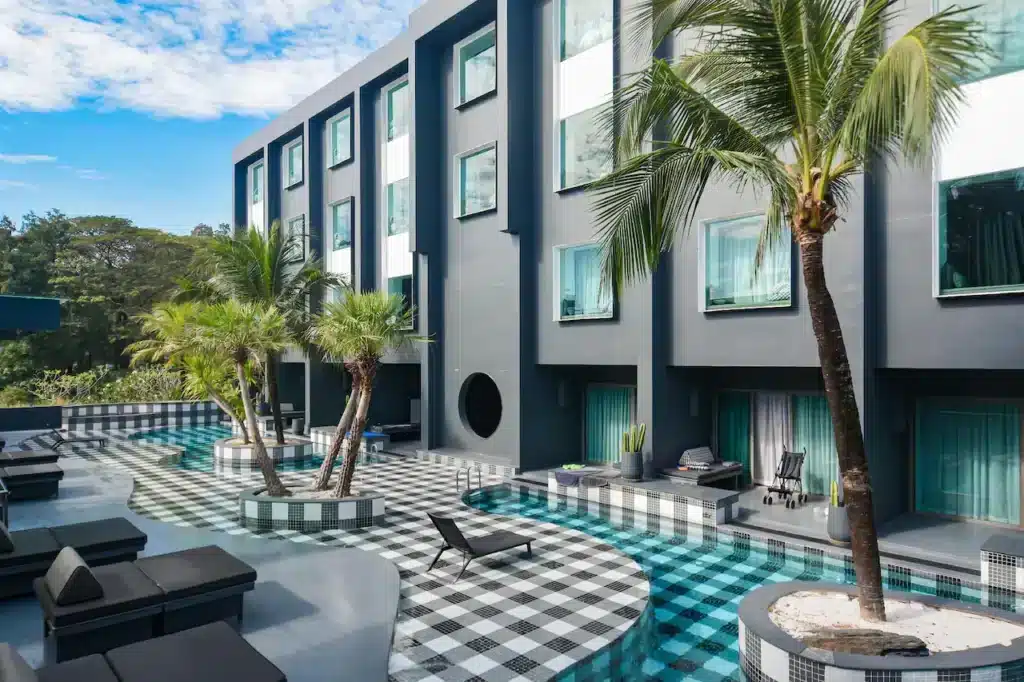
632	466
298	426
837	525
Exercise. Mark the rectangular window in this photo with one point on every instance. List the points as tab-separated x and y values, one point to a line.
340	137
581	294
1003	22
398	111
477	65
257	183
403	287
586	151
294	164
585	24
981	233
731	277
341	225
398	207
477	181
297	229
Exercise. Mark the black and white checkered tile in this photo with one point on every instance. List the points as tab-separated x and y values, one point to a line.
486	468
230	454
259	513
113	416
322	436
510	618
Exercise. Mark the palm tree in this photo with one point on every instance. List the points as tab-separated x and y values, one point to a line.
360	328
272	269
171	340
246	332
793	98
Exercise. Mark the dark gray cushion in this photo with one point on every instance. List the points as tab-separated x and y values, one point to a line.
14	458
100	536
125	588
69	580
35	545
6	543
697	456
14	668
13	475
194	571
92	668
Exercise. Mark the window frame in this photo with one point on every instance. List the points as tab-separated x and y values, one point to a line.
288	180
350	200
387	90
702	271
305	235
457	65
560	156
560	29
458	168
556	288
349	152
256	170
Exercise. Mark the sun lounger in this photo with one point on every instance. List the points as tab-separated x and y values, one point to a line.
32	481
699	466
475	547
14	458
60	439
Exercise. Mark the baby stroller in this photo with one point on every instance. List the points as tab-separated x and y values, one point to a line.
788	484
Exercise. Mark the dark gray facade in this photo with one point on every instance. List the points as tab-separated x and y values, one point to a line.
485	290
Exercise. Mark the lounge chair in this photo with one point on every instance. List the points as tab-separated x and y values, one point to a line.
699	466
32	481
475	547
210	653
14	458
60	439
91	610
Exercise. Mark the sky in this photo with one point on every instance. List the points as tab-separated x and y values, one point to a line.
133	108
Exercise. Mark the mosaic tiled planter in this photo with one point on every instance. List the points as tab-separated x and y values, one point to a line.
259	511
323	435
229	454
108	416
769	654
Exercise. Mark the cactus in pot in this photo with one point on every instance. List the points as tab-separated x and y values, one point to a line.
837	524
632	452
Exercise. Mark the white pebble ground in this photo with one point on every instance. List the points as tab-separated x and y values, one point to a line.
802	613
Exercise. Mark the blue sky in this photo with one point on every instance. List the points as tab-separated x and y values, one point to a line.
132	108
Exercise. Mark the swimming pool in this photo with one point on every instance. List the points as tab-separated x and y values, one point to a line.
198	441
697	582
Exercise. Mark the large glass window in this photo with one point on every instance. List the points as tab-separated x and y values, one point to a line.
294	174
398	111
585	24
257	183
1003	22
402	286
297	229
340	136
477	61
398	207
981	233
478	181
586	151
341	225
582	294
732	278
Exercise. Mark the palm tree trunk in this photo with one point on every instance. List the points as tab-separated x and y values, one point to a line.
229	411
842	402
323	478
274	398
348	467
275	487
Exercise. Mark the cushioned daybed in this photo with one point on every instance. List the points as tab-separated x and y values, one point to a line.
14	458
702	468
93	610
27	554
210	653
32	481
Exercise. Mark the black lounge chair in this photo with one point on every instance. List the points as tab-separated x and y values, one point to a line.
475	547
15	458
788	482
60	439
32	481
211	653
27	554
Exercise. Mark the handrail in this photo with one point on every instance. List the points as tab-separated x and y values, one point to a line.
469	482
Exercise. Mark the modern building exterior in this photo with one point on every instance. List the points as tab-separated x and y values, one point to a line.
450	166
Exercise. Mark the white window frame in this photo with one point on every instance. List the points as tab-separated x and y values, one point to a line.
457	66
351	221
556	287
348	154
384	100
304	234
384	214
457	177
288	181
702	269
256	171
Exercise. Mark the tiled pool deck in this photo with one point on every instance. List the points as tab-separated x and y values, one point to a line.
556	615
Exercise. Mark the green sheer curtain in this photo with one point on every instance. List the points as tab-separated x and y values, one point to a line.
812	431
609	413
967	460
733	430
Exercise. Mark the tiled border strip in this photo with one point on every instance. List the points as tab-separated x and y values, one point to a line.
123	416
237	456
258	512
488	468
323	435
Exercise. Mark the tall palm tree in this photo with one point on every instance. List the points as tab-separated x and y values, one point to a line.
246	332
171	341
792	98
360	328
272	269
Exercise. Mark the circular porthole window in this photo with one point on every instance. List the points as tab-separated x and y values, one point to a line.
480	405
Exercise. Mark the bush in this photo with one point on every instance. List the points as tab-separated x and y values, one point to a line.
143	385
54	387
15	395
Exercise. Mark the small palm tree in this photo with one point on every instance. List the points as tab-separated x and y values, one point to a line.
359	329
246	332
794	98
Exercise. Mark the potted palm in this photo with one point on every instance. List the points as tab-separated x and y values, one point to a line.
837	525
632	452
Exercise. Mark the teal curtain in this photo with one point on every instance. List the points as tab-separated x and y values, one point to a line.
967	459
609	412
812	431
733	430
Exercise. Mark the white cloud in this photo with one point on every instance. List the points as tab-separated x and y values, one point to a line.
16	184
191	58
21	159
89	174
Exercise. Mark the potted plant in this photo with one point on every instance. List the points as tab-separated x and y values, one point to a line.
632	455
837	525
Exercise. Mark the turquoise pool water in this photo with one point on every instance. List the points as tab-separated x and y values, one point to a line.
697	583
198	444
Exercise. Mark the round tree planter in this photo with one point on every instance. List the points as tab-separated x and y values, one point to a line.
231	455
769	654
259	511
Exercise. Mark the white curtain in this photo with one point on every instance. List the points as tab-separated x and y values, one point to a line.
773	432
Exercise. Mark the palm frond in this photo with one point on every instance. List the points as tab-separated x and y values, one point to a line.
363	326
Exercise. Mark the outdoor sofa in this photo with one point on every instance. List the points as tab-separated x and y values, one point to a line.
27	554
209	653
703	468
91	610
31	481
15	458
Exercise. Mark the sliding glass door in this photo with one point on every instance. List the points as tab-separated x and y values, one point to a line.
610	410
